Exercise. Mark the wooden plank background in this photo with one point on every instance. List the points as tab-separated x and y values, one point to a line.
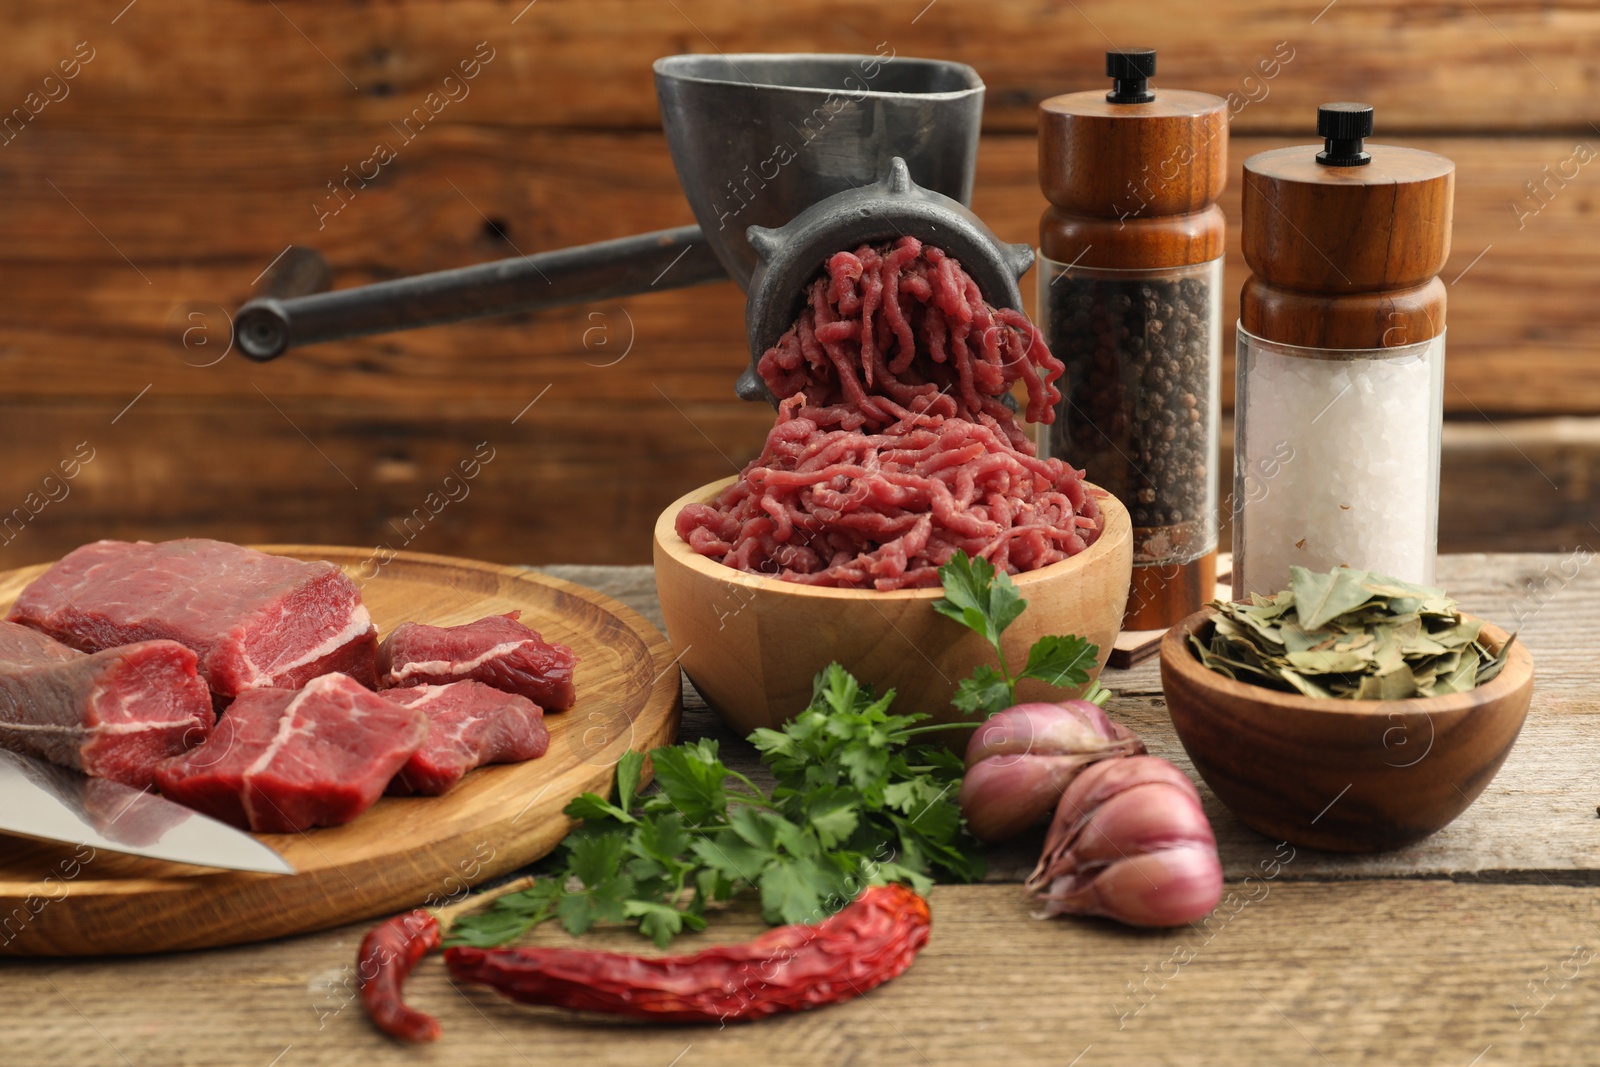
193	145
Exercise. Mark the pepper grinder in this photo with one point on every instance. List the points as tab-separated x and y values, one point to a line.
1130	299
1341	357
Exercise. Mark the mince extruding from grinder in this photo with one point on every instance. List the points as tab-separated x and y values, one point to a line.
853	353
893	448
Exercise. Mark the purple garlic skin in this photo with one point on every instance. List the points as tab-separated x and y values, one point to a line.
1130	842
1022	758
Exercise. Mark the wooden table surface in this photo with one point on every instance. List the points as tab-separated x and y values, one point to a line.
1474	948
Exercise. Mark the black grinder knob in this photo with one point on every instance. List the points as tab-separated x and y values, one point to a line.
1130	69
1344	126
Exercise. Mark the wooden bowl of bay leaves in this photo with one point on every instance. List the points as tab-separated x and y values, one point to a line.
1364	722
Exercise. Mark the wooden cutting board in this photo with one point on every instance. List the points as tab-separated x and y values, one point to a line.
404	851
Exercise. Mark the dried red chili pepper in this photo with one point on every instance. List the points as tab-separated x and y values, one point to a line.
790	968
388	953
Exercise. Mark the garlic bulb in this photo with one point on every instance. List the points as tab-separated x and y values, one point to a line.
1022	758
1130	842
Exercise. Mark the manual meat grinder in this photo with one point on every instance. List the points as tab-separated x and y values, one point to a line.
785	160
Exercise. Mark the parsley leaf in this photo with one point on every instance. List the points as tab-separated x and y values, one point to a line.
661	922
977	597
629	770
595	857
579	912
594	864
510	918
833	814
691	778
987	690
789	892
661	837
734	859
986	602
1061	661
592	806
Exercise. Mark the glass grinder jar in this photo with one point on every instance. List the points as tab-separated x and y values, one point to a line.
1341	357
1130	299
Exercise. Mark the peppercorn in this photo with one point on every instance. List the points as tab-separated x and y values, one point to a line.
1133	411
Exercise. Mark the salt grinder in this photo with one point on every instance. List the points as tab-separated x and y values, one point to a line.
1130	300
1341	357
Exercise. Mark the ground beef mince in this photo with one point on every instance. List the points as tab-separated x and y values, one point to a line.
885	327
884	510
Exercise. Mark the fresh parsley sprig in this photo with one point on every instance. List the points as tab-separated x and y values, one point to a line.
986	602
856	802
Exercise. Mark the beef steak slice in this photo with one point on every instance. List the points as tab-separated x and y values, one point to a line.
255	620
283	760
113	714
497	651
471	724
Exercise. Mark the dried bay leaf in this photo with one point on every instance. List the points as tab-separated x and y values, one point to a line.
1498	661
1442	665
1396	684
1305	685
1350	634
1297	640
1404	626
1354	642
1461	679
1466	633
1423	645
1271	607
1320	598
1328	662
1266	627
1386	654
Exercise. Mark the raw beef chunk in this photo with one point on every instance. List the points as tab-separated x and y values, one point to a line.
470	724
256	621
282	760
114	714
497	651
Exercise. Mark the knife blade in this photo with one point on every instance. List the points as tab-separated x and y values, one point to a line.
42	800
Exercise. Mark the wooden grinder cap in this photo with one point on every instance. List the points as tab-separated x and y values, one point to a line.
1346	240
1133	175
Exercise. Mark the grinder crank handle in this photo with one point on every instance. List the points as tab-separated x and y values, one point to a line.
269	325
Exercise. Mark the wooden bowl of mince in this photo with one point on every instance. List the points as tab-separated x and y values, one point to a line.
752	644
1336	774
